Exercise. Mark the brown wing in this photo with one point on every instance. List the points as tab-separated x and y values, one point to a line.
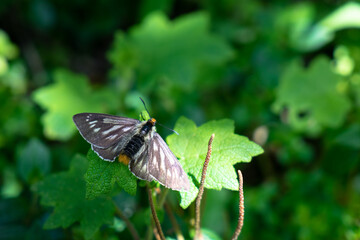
139	166
103	130
165	167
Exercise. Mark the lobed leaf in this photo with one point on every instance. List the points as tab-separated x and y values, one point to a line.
32	159
69	95
311	96
66	193
181	45
102	175
228	148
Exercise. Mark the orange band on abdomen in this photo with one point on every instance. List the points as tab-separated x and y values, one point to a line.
124	159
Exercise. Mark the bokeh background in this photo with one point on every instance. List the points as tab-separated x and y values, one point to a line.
287	73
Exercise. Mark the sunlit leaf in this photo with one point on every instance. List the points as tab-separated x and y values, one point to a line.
228	148
69	95
7	48
315	35
208	234
12	73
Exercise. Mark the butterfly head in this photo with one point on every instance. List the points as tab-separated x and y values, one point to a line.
152	121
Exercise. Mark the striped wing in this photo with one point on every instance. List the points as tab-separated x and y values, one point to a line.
110	153
139	166
103	131
165	167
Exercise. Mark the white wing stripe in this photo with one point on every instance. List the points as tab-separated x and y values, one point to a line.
125	129
113	128
111	137
171	160
91	126
162	161
156	148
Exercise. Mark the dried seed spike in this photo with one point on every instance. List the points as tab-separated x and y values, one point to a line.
241	208
201	189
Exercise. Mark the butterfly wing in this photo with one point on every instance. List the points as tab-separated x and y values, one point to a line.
139	166
103	131
110	153
165	167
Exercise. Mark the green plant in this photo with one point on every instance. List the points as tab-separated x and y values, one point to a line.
96	208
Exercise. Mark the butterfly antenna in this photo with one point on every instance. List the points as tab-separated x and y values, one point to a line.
157	123
169	129
144	105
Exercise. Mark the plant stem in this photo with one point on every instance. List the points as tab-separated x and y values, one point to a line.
153	211
155	231
129	225
241	208
162	197
178	233
201	189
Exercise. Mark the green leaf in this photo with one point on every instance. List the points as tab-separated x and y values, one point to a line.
66	193
144	116
179	45
70	94
346	16
35	156
350	137
208	234
15	77
308	36
12	73
191	147
11	186
7	48
312	96
101	176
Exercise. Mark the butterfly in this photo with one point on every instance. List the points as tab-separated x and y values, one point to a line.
136	143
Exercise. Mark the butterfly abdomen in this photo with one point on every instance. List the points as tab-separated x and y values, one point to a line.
133	146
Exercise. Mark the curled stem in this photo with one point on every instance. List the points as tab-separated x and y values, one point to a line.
201	189
129	225
153	212
241	208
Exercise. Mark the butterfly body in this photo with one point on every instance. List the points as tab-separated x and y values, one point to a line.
133	146
135	142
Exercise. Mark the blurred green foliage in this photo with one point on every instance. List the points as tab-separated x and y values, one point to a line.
299	90
286	73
